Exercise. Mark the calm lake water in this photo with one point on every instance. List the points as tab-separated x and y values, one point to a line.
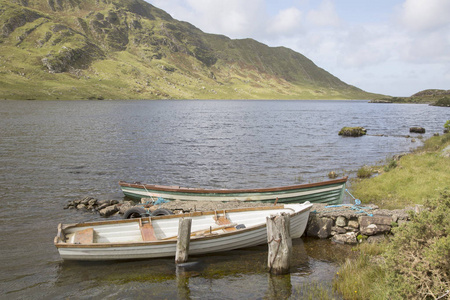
52	152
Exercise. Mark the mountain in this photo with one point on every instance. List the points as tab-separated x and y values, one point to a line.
129	49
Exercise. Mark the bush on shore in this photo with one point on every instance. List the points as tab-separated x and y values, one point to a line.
413	265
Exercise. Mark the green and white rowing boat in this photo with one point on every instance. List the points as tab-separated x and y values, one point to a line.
330	192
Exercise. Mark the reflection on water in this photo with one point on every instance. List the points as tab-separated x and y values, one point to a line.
222	275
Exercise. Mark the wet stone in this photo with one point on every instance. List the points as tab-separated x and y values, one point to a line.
346	238
319	227
108	211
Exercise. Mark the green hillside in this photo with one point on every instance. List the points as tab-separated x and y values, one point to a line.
129	49
432	96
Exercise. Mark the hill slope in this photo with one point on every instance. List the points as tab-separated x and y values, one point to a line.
129	49
432	96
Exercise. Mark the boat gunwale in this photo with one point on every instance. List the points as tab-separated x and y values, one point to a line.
176	216
154	187
158	242
60	244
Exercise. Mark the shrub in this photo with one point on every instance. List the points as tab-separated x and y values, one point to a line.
417	259
414	264
364	172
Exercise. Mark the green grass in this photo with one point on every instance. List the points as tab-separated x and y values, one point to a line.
363	277
416	177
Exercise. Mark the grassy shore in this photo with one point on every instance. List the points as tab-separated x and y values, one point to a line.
413	263
410	180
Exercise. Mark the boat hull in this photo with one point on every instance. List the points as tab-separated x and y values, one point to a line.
121	239
330	192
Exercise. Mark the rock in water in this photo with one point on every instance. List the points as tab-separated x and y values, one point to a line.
417	130
353	131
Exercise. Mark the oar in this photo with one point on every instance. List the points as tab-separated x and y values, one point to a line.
203	231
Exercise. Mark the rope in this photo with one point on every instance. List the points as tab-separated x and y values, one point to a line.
151	197
161	200
356	207
357	201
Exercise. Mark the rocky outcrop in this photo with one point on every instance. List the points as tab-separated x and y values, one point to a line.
353	131
18	19
70	58
417	130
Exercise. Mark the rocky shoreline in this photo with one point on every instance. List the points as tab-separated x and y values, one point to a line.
344	224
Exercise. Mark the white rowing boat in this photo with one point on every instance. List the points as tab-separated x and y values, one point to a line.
155	237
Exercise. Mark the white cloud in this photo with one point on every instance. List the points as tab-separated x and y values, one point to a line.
425	15
234	18
426	25
325	15
286	22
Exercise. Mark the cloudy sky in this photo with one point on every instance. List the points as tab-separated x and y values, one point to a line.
393	47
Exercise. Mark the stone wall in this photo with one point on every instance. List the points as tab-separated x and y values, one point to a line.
349	224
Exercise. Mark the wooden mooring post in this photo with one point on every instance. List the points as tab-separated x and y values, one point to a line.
183	240
280	243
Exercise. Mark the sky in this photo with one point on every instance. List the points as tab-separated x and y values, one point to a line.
391	47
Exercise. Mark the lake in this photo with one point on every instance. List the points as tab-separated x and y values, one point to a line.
52	152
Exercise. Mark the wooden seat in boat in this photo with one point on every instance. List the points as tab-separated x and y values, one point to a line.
147	232
85	236
223	220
